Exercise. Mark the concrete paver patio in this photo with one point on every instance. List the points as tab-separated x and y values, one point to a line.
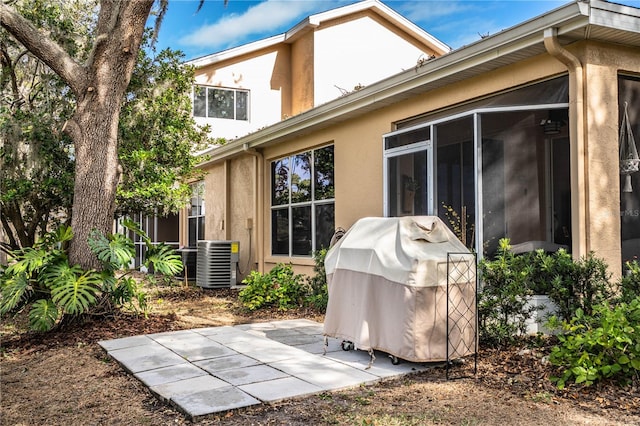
209	370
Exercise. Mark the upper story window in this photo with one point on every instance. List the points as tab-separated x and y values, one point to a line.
302	202
216	102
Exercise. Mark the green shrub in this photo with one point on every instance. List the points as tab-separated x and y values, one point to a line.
570	284
603	345
41	278
503	306
629	285
318	296
279	287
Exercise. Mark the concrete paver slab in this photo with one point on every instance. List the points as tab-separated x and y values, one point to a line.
213	401
125	342
325	373
253	374
184	387
194	346
381	367
173	373
226	363
147	357
279	389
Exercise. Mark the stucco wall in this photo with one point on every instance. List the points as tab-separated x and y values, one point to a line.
214	193
302	57
242	172
359	52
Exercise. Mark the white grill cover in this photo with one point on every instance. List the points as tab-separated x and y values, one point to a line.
387	280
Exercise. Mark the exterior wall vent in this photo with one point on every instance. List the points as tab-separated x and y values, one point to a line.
217	263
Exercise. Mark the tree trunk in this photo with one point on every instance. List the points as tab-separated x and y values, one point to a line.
99	86
94	126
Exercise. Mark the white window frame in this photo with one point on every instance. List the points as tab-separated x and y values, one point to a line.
235	102
290	205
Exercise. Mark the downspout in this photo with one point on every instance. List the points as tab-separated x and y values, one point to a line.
578	149
258	204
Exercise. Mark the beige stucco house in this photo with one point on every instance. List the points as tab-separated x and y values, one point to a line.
517	133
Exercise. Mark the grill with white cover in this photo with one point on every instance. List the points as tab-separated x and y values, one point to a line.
387	281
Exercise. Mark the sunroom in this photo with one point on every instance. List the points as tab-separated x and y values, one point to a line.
494	168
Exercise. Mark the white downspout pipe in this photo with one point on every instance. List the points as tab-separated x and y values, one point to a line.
258	204
578	149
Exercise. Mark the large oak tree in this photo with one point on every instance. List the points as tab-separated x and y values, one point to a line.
98	86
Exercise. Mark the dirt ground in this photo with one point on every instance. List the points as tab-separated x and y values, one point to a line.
65	378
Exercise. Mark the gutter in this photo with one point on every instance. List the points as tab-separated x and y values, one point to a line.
258	204
578	149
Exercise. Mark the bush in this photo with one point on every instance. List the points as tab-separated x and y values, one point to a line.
279	287
503	307
605	344
570	284
318	296
629	285
41	278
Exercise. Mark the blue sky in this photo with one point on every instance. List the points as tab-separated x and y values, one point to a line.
217	27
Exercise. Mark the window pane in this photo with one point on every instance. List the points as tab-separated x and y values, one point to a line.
408	189
323	168
193	232
301	177
201	228
325	225
241	105
456	178
280	231
199	101
515	174
280	182
414	136
169	228
221	103
301	232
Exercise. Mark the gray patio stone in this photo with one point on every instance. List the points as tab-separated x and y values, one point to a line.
297	339
381	367
279	389
275	353
324	373
193	346
253	374
125	342
146	357
188	386
173	373
213	401
226	363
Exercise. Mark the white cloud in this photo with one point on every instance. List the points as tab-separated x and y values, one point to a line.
429	11
267	17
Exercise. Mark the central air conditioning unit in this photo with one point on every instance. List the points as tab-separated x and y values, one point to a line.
217	263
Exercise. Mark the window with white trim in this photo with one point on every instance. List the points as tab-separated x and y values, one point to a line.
218	102
195	215
302	202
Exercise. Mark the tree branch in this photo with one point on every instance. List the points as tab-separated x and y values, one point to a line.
44	48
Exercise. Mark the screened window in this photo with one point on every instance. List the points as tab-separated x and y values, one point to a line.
215	102
302	202
195	214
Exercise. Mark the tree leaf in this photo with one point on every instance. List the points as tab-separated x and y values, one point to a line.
43	315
